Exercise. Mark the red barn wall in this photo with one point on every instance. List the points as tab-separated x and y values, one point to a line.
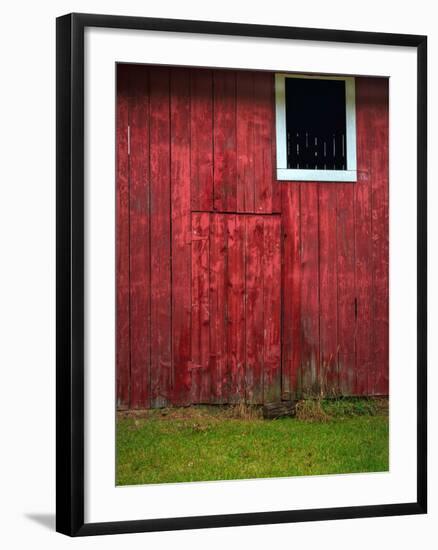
233	286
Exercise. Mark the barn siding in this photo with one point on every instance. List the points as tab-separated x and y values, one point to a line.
139	241
232	286
160	345
123	342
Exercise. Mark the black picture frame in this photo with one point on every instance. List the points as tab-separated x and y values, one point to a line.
70	273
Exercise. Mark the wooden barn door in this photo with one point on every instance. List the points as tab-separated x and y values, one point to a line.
233	286
236	305
235	240
198	238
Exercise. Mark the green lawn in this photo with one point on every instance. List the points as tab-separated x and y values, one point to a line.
207	443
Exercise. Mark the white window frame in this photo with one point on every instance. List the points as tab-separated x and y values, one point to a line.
288	174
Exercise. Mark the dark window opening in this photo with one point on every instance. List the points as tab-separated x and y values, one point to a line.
316	124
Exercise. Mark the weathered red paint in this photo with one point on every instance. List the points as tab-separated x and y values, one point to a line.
309	289
231	285
245	141
291	291
218	312
180	240
380	229
200	365
271	308
201	139
254	251
122	239
236	317
224	133
346	289
328	293
139	241
363	245
263	170
159	215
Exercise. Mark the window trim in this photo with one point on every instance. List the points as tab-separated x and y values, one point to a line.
289	174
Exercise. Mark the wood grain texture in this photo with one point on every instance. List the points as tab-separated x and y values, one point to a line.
236	313
200	364
201	139
180	233
160	238
225	164
231	285
254	249
263	180
245	141
276	185
139	238
291	290
122	240
365	113
218	309
309	289
328	293
346	289
378	94
271	308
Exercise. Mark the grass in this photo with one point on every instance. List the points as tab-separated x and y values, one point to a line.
216	443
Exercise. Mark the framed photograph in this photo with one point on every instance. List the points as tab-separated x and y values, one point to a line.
241	274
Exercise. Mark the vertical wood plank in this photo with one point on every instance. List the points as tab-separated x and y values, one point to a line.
276	184
139	242
272	309
218	333
291	291
200	308
328	300
309	289
263	181
225	176
160	325
245	141
380	235
180	234
365	114
346	289
122	239
236	306
201	139
254	309
364	284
